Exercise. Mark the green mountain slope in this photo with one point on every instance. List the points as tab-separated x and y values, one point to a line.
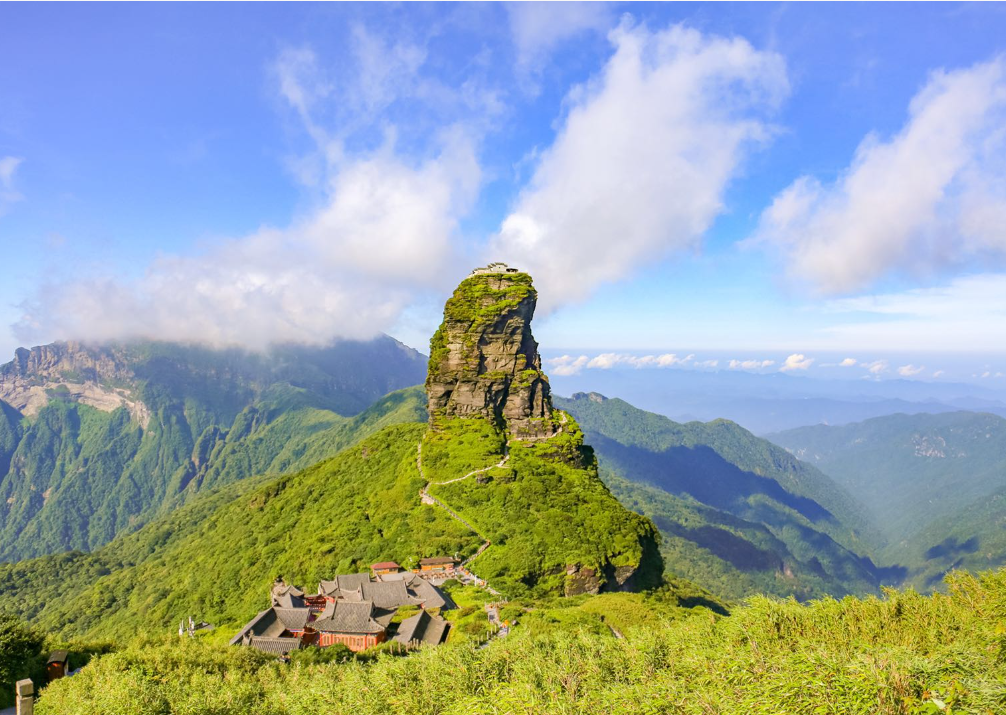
909	470
736	512
540	522
972	538
97	440
217	556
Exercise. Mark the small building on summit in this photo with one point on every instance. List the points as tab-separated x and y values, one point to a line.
385	567
494	267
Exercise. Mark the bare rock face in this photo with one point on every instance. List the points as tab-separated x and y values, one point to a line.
89	375
580	580
484	362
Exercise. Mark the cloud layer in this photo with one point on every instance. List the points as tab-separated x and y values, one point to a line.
642	159
383	229
637	169
932	196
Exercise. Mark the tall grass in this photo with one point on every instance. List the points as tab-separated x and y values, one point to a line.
901	653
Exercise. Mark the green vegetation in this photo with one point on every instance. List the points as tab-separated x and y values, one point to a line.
72	477
730	556
972	538
737	514
215	557
546	512
20	656
909	470
903	654
477	302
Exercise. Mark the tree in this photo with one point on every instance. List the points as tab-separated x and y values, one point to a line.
20	651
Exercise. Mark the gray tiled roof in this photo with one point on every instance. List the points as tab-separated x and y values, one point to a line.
345	586
288	600
429	595
256	626
422	628
389	594
280	589
273	623
294	619
349	617
280	646
384	615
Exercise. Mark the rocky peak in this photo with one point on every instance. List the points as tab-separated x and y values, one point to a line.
484	362
90	375
590	396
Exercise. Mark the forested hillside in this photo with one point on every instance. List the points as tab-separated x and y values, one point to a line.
909	470
737	514
95	441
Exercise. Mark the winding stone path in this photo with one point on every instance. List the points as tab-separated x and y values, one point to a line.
427	498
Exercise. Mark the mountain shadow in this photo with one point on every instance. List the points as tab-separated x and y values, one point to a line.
951	548
724	485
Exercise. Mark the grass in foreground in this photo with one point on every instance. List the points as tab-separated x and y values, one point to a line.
903	653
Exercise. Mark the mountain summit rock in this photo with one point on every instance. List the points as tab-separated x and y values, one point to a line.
484	361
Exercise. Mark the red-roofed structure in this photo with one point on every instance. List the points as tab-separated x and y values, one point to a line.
385	567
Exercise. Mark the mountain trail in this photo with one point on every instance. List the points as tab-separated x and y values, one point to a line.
427	498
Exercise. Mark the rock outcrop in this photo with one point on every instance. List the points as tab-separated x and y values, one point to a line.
98	377
484	362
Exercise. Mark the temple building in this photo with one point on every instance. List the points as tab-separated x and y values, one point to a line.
351	609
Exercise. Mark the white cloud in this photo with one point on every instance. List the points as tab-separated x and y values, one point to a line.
848	362
876	367
641	161
968	313
796	361
540	27
606	361
930	197
750	364
708	363
937	373
385	229
567	364
570	365
910	370
8	194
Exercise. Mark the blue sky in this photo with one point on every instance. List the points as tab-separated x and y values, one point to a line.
746	182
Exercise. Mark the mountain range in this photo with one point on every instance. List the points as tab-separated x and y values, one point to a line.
149	482
97	440
933	484
774	402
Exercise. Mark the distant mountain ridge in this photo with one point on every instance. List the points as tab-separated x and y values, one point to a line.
934	484
768	403
97	439
736	512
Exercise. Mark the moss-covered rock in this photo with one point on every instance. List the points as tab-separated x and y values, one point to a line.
484	362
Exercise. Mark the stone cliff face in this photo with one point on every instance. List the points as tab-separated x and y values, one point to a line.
97	377
484	362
